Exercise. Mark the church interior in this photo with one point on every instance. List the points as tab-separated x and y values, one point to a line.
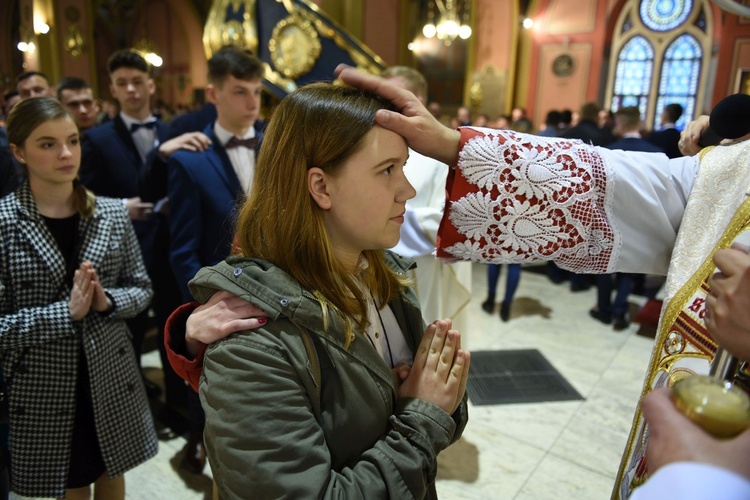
535	54
495	58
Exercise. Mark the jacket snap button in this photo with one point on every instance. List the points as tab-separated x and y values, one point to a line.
284	301
237	271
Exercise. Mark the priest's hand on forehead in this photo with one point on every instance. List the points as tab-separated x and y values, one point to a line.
415	123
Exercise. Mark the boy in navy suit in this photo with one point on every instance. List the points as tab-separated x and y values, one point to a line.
33	84
78	98
206	186
667	138
628	130
113	155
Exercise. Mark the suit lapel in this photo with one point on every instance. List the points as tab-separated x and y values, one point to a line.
260	129
127	140
162	132
221	164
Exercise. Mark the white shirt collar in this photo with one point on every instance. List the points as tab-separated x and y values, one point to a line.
224	135
129	120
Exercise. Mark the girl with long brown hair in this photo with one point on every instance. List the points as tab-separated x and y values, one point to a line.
71	272
282	418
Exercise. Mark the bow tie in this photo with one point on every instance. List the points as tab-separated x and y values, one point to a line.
250	143
136	126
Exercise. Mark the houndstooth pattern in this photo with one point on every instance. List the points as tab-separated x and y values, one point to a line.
34	317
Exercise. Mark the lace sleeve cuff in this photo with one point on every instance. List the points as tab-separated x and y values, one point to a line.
517	198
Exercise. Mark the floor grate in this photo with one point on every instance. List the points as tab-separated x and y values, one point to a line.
516	376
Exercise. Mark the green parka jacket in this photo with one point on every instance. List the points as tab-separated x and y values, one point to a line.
270	433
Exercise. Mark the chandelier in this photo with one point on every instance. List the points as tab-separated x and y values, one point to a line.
452	20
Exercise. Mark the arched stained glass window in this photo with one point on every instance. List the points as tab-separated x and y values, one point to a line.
635	63
665	15
660	54
680	77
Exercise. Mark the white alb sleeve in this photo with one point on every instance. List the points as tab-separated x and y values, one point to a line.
693	481
648	202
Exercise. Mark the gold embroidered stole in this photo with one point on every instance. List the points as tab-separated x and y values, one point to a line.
717	212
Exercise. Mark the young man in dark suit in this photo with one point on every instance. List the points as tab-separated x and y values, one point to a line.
115	152
587	129
668	137
78	98
206	186
113	155
33	84
628	131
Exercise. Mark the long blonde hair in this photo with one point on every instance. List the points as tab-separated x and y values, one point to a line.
29	114
319	125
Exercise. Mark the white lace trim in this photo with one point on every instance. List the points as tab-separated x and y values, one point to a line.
535	199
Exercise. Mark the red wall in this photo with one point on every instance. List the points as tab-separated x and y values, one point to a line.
575	27
380	28
733	38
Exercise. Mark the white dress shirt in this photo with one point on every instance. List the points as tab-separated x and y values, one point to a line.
384	332
145	138
242	158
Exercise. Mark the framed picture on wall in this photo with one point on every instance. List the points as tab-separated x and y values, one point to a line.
743	81
563	65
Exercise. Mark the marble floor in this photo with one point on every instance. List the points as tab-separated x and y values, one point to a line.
568	450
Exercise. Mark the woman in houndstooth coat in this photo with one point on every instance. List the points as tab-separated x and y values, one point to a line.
71	272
